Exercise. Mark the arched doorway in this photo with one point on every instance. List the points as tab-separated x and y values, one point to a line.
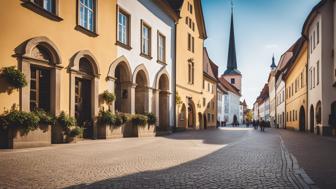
200	120
332	117
312	122
182	116
121	88
141	93
302	119
191	114
205	120
235	121
84	80
163	102
318	112
283	120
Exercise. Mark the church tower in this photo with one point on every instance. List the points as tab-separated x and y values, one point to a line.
273	66
232	74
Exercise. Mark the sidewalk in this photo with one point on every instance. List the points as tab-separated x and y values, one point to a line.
316	154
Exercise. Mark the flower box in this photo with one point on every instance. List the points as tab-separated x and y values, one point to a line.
16	138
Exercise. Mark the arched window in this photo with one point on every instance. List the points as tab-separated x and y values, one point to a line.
41	64
318	113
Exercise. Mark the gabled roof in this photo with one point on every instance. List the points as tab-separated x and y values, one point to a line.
299	45
311	17
177	5
228	86
208	65
264	95
221	87
284	60
165	6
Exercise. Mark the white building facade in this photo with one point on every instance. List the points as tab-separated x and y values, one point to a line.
319	29
142	75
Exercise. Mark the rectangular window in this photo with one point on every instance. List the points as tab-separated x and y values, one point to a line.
317	73
189	42
39	89
204	102
145	39
314	41
203	83
161	48
123	27
208	87
301	79
313	77
192	44
48	5
292	89
311	44
191	72
318	32
209	117
190	8
87	14
233	81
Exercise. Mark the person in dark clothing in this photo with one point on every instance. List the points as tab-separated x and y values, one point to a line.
262	125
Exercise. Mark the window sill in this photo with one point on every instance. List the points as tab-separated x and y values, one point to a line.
146	56
86	31
123	45
161	62
37	9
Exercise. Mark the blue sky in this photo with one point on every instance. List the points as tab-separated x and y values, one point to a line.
262	27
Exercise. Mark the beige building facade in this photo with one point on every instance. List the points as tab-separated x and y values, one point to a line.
190	34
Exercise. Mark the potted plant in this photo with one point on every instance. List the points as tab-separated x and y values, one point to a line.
14	77
108	98
110	125
25	129
73	133
66	123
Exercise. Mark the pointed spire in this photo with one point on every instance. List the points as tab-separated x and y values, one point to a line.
273	66
232	58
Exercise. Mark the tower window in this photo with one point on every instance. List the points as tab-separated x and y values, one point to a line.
233	81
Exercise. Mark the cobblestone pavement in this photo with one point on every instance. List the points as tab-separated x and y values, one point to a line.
226	158
315	154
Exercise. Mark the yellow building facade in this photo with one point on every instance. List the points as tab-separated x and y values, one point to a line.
190	36
64	53
296	88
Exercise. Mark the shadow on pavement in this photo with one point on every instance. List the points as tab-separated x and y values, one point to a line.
211	136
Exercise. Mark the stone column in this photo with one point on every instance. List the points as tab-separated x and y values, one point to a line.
25	91
156	105
95	105
111	88
132	97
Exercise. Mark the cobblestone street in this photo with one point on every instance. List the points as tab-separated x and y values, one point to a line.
225	158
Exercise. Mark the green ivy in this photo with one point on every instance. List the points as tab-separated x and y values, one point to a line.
106	118
139	120
108	97
66	121
76	131
45	117
151	118
14	77
27	121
